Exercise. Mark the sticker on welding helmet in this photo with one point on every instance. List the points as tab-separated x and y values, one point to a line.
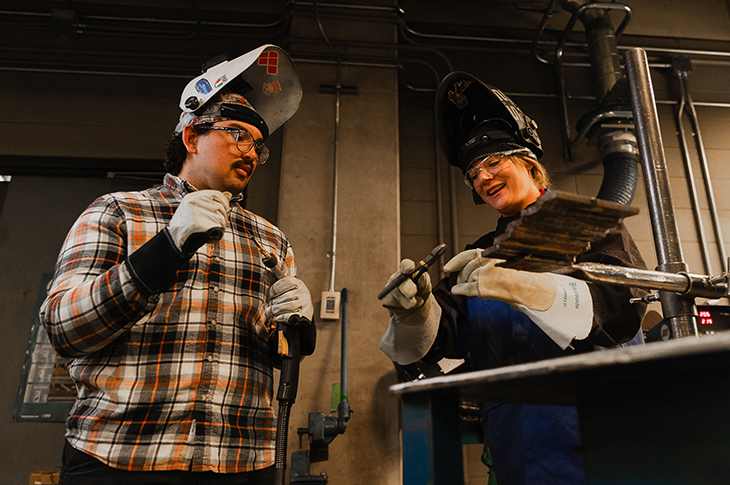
221	81
203	86
270	59
272	89
456	96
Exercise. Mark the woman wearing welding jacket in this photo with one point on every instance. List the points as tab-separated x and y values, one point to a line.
497	316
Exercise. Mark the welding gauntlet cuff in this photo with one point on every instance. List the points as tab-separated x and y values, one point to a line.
407	343
560	305
153	266
570	315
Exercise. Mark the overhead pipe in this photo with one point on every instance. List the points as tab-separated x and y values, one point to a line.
405	28
678	310
346	6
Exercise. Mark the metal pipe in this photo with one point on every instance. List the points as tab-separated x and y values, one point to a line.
528	43
690	175
437	168
602	43
439	194
394	10
536	40
683	283
679	310
611	114
455	246
149	20
343	344
427	48
336	143
560	76
706	177
439	202
335	182
603	54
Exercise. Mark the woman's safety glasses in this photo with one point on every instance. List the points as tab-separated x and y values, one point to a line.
245	142
493	163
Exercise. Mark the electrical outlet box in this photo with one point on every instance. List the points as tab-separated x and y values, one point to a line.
330	305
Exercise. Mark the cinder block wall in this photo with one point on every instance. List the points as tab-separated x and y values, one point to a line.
532	86
100	117
388	178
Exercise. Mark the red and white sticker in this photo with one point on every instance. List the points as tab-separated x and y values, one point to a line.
271	61
272	89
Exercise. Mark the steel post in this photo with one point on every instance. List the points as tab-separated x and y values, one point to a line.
678	309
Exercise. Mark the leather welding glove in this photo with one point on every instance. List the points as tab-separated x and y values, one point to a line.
560	305
287	297
202	216
414	317
409	301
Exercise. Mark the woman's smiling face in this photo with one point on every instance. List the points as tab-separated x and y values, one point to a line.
510	189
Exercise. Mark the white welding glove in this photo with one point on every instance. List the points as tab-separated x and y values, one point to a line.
414	317
198	213
289	296
409	301
560	305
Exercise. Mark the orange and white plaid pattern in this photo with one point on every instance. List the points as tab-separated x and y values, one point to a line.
180	380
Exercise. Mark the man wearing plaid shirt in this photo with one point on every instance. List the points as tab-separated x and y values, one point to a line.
162	301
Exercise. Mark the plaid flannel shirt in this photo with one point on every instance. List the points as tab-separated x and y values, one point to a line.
180	380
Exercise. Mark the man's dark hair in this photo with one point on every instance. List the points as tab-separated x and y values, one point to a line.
175	151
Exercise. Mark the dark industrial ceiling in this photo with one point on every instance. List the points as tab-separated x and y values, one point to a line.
166	38
157	45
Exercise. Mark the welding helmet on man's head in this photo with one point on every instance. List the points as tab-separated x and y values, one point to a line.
261	88
474	119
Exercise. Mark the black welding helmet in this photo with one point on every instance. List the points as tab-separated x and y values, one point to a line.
474	119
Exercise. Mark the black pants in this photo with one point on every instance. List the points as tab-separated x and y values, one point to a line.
78	468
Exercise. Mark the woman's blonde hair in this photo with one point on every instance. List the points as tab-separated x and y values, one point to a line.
538	172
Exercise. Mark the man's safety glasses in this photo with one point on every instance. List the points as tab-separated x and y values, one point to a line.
492	163
245	142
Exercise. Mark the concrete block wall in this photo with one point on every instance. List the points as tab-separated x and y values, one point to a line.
531	85
101	117
388	198
366	251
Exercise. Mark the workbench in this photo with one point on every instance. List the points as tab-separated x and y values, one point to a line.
650	414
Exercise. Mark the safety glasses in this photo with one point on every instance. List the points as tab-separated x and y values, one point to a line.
493	163
245	142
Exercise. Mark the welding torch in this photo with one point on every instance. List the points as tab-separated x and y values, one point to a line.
421	267
290	353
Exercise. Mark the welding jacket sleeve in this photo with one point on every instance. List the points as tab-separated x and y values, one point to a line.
101	287
615	319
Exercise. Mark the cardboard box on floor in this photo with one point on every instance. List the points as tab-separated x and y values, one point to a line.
44	478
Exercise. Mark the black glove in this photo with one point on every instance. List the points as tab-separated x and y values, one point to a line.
200	218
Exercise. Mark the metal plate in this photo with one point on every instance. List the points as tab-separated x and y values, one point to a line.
555	230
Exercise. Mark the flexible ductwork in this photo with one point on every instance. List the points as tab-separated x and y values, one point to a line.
616	143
